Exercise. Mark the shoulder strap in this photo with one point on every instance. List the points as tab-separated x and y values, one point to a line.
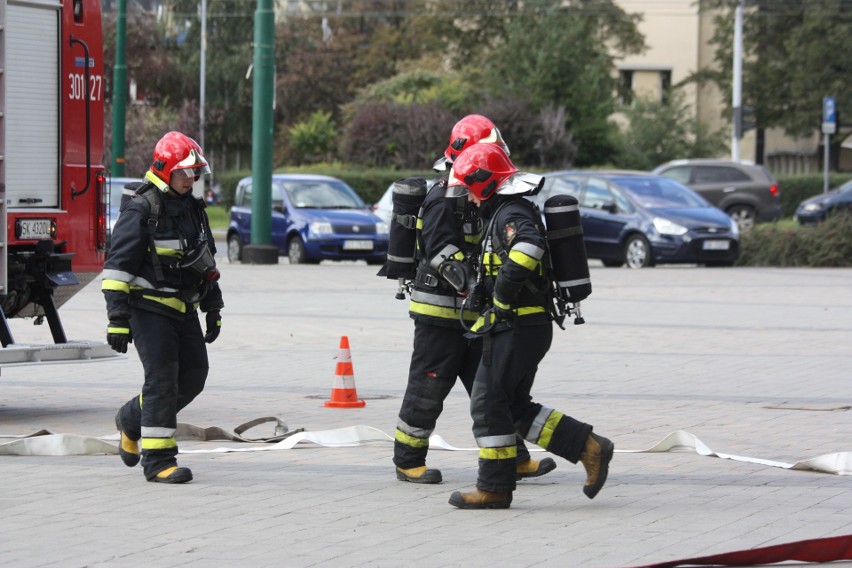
155	204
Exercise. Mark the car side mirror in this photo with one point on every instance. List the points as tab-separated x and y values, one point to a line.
278	208
611	207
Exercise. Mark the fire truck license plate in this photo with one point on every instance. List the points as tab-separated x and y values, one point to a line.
716	245
33	229
357	245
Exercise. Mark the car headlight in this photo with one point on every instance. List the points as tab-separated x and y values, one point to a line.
666	227
320	228
735	229
812	207
382	228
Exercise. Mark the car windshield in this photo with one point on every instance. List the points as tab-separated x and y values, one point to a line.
321	194
660	193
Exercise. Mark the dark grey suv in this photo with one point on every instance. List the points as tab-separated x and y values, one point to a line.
745	191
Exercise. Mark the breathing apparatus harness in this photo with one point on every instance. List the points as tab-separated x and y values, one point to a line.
476	301
198	261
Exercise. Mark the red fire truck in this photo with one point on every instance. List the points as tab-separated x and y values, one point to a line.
53	224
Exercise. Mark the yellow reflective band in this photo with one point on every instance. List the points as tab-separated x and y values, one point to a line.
458	255
523	259
411	441
419	224
115	286
124	330
158	443
548	428
173	303
498	453
472	239
501	305
168	252
439	312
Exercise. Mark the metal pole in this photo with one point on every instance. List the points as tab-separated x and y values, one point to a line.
261	166
736	102
119	89
203	73
825	144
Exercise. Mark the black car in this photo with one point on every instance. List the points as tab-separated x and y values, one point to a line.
815	209
643	220
745	191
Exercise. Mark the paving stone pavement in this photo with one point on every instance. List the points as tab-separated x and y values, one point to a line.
754	362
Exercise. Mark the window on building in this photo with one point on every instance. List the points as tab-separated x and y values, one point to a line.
665	86
625	87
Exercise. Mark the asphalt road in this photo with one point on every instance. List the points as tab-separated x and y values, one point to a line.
753	362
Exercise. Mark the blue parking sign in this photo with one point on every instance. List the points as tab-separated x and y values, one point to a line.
829	115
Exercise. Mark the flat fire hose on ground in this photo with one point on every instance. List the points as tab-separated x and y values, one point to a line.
45	443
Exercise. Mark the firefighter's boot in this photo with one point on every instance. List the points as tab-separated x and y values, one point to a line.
420	474
173	474
595	458
480	499
128	449
534	468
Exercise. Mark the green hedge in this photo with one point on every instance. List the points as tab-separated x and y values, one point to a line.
370	184
828	244
795	188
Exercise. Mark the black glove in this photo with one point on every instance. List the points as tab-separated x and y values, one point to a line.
119	334
214	326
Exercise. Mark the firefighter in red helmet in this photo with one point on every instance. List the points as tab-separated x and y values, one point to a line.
448	235
159	271
517	331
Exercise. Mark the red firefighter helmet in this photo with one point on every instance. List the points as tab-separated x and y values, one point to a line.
176	151
472	129
482	168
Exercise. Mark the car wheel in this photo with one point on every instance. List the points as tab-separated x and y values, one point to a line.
744	215
612	263
235	248
296	251
637	252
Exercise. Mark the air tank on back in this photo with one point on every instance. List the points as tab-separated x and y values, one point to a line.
567	249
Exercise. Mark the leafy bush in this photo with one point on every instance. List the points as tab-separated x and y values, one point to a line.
383	134
828	244
795	188
313	140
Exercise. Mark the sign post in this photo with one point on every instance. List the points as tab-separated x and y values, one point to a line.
829	127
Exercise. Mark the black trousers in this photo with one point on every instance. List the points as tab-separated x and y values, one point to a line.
501	405
174	358
441	355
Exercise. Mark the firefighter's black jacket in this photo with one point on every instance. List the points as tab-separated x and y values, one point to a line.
513	259
130	275
447	229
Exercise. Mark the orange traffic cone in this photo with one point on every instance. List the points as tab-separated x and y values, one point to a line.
343	394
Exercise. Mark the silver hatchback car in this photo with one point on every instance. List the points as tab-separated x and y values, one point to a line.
745	191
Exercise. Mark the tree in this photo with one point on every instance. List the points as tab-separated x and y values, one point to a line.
568	62
658	132
228	89
795	52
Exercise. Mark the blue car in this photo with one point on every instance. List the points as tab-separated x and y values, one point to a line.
643	220
314	218
815	209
